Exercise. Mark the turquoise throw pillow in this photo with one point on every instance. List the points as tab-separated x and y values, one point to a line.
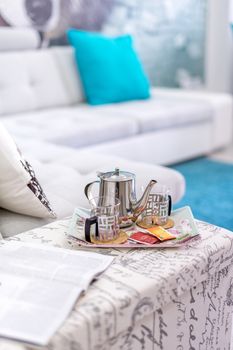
110	69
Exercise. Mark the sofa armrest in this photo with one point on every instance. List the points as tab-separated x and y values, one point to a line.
221	104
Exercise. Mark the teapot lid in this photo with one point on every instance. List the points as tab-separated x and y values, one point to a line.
117	175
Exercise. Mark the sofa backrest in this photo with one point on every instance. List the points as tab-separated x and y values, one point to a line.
64	57
38	79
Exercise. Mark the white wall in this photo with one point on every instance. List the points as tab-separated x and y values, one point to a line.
219	47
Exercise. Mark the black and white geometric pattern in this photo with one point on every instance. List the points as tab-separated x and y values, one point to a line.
35	187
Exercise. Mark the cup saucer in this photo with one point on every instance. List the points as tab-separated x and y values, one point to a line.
169	224
122	238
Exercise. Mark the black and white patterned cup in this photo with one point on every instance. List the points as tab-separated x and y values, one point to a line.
158	207
104	224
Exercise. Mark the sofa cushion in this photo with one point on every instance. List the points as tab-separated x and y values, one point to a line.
159	113
73	126
109	68
63	173
32	80
19	189
221	105
46	157
64	57
74	172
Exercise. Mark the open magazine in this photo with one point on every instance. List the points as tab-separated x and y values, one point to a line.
39	286
183	230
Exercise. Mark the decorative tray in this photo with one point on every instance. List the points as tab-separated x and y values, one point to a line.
183	230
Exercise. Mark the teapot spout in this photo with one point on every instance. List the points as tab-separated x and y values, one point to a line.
140	205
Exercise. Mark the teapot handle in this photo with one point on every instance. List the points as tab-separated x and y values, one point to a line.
87	189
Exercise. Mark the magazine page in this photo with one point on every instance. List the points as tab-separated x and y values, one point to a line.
39	286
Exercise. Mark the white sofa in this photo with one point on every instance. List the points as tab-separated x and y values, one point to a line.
40	90
67	141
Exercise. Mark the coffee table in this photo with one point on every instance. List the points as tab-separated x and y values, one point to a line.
179	298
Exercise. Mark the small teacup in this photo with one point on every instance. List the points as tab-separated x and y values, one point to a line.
158	208
103	225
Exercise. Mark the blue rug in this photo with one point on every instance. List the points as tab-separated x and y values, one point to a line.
209	190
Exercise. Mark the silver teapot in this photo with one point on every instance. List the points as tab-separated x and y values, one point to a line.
121	185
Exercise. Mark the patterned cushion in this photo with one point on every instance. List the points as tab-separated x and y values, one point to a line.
19	189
